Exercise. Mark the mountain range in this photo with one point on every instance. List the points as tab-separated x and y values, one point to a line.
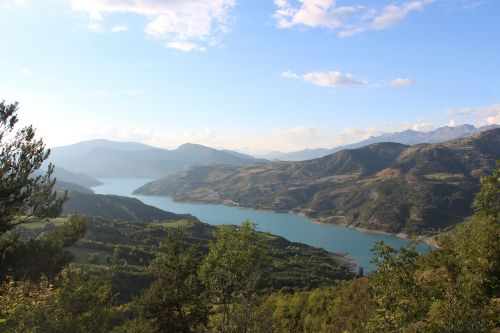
408	137
109	159
384	186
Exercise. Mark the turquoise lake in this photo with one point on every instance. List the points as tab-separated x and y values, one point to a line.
293	227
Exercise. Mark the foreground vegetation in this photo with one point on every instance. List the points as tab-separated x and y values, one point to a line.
184	276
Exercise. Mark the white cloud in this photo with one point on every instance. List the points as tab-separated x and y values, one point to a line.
94	27
392	14
185	46
25	72
452	123
183	25
480	111
106	93
119	28
290	75
9	4
334	79
346	20
486	115
302	136
400	82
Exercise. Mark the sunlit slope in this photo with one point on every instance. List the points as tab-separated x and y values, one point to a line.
384	186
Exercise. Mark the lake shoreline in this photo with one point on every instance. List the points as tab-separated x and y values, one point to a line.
345	244
429	240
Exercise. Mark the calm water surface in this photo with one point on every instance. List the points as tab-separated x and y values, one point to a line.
292	227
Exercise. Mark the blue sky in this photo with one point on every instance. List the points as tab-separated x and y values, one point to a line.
254	76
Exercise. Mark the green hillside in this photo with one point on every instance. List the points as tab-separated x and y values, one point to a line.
130	246
114	207
384	186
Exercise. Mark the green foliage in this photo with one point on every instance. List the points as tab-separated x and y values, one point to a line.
197	281
79	302
487	201
33	256
343	308
23	305
176	301
232	270
23	198
453	289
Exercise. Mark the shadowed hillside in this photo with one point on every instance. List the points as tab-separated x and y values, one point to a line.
116	207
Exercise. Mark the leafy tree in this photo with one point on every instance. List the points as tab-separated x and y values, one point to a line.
39	255
176	301
23	197
487	201
232	271
453	289
79	302
337	309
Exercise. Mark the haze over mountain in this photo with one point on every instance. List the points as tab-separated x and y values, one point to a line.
108	159
408	137
384	186
71	181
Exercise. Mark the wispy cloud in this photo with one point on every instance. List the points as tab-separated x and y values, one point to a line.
9	4
25	72
304	136
487	115
95	27
347	21
183	25
119	28
400	82
107	93
185	46
335	79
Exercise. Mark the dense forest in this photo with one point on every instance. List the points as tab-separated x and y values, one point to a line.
92	274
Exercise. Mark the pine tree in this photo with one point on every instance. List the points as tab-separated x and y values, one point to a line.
24	198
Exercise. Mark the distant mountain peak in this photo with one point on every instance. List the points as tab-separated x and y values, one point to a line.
407	137
192	146
104	158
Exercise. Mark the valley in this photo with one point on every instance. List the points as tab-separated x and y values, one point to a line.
336	239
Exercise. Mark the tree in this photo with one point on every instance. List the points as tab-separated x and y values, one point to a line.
453	289
37	255
487	201
232	271
79	302
23	197
176	301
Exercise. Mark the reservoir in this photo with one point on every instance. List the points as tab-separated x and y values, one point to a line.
290	226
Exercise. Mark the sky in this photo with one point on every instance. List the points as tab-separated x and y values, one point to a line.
250	75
